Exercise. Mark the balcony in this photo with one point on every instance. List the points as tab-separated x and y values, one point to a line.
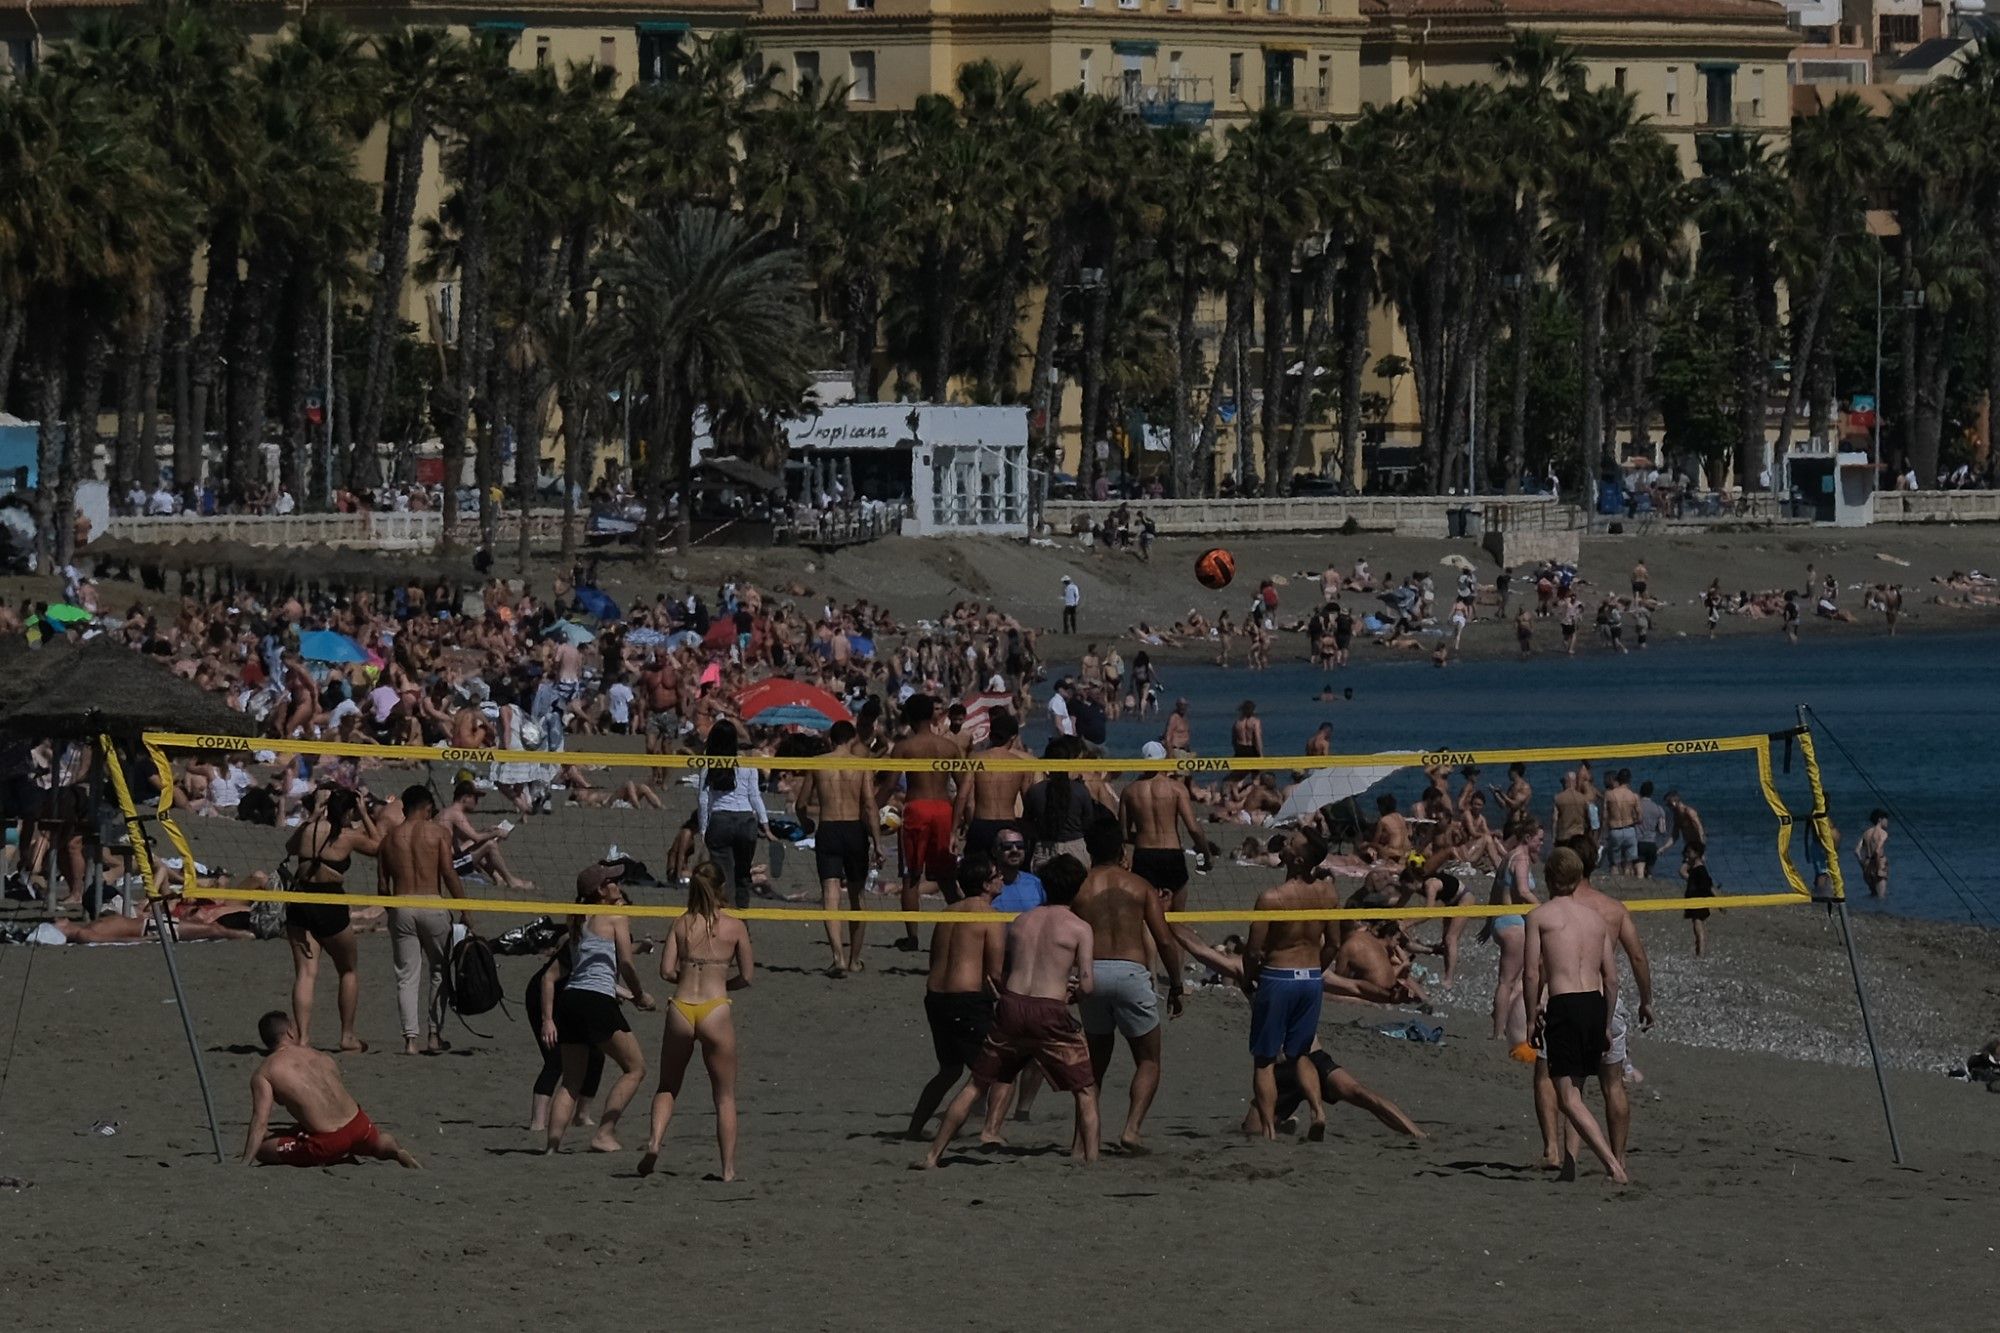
1176	100
1721	117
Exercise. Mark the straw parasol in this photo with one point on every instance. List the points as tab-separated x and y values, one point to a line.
103	686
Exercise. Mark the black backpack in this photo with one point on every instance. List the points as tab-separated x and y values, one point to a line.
471	982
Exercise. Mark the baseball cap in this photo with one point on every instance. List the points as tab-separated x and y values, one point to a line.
1153	750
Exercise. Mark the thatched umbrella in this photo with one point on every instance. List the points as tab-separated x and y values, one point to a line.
102	686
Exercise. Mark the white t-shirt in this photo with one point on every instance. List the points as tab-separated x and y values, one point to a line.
1059	717
163	502
618	702
285	503
1072	595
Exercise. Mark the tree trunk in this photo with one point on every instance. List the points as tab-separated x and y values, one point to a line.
300	327
1066	253
1096	330
1932	377
1187	363
471	334
48	440
1236	313
1517	419
80	442
575	435
864	299
176	350
1246	449
204	356
13	318
1356	289
249	358
401	171
1277	266
1005	315
1590	431
1320	299
1804	345
1906	425
148	474
1992	367
940	314
682	430
131	393
1821	408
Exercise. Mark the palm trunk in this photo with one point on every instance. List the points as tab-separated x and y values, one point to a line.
1357	284
204	356
1236	312
401	171
1187	363
149	397
79	455
1096	330
574	435
1066	254
1906	425
1992	367
131	393
1804	345
1321	300
249	358
1277	324
175	350
1590	431
1932	377
13	319
302	335
48	437
471	339
1004	316
864	300
1517	418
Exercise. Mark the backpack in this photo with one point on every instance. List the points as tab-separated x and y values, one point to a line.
471	982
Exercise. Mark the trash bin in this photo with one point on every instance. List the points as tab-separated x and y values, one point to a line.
1454	521
1475	523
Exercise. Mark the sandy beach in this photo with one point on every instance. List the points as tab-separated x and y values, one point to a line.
1764	1195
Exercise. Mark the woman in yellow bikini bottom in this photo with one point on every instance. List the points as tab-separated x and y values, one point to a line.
698	957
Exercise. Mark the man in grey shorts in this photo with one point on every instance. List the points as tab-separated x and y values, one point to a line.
1621	823
1122	910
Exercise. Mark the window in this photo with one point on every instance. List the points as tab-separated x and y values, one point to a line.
659	51
1717	108
1673	91
1280	67
805	67
1128	4
1274	6
541	53
1325	82
1083	69
861	4
861	86
607	52
1173	64
1236	74
1618	78
805	4
500	34
1900	29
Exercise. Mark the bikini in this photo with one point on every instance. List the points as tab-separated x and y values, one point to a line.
1513	920
696	1010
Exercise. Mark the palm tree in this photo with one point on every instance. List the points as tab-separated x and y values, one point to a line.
706	315
1540	72
416	73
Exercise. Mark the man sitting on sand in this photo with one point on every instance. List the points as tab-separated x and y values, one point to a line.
331	1128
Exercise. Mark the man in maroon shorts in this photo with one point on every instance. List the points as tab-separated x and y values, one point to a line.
331	1128
928	809
1048	965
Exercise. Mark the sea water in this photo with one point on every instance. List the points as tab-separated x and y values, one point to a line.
1913	711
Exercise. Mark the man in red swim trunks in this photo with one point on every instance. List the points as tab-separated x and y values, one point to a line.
928	808
331	1128
1049	963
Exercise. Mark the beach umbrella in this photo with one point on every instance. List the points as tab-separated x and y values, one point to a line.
778	702
104	686
1456	561
65	614
325	645
596	603
979	708
648	638
861	646
572	632
721	634
1328	785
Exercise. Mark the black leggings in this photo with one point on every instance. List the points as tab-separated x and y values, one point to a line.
551	1075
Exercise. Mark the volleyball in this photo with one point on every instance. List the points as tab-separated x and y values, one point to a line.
1215	567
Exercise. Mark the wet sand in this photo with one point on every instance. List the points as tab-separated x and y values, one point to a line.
1764	1198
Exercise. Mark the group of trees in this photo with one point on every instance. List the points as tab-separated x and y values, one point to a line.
185	222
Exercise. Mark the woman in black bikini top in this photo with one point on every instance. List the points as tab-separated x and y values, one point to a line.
324	847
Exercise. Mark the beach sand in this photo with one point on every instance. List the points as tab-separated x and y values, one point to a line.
1765	1197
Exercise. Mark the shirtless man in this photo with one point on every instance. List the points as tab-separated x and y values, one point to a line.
1282	965
1048	961
846	842
473	850
1365	955
1154	809
1621	822
1571	819
1123	911
1611	1074
1246	734
928	809
968	961
1572	986
1516	797
471	729
415	860
331	1129
1177	736
990	801
1392	831
1873	854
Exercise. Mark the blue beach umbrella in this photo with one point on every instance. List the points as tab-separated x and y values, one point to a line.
571	631
324	645
597	603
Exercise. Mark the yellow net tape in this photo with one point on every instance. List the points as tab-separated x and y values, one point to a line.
1759	746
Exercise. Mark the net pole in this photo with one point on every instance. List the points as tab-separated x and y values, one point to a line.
163	926
1838	903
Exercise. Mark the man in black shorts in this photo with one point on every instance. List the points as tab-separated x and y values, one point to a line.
1571	980
1155	809
967	961
846	845
1336	1085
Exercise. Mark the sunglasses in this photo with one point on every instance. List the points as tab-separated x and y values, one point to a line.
1010	846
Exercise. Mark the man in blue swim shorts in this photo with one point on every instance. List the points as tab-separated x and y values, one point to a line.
1282	964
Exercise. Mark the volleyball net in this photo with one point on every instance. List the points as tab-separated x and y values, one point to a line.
227	807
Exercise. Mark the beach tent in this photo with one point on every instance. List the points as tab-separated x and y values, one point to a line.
778	702
596	603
